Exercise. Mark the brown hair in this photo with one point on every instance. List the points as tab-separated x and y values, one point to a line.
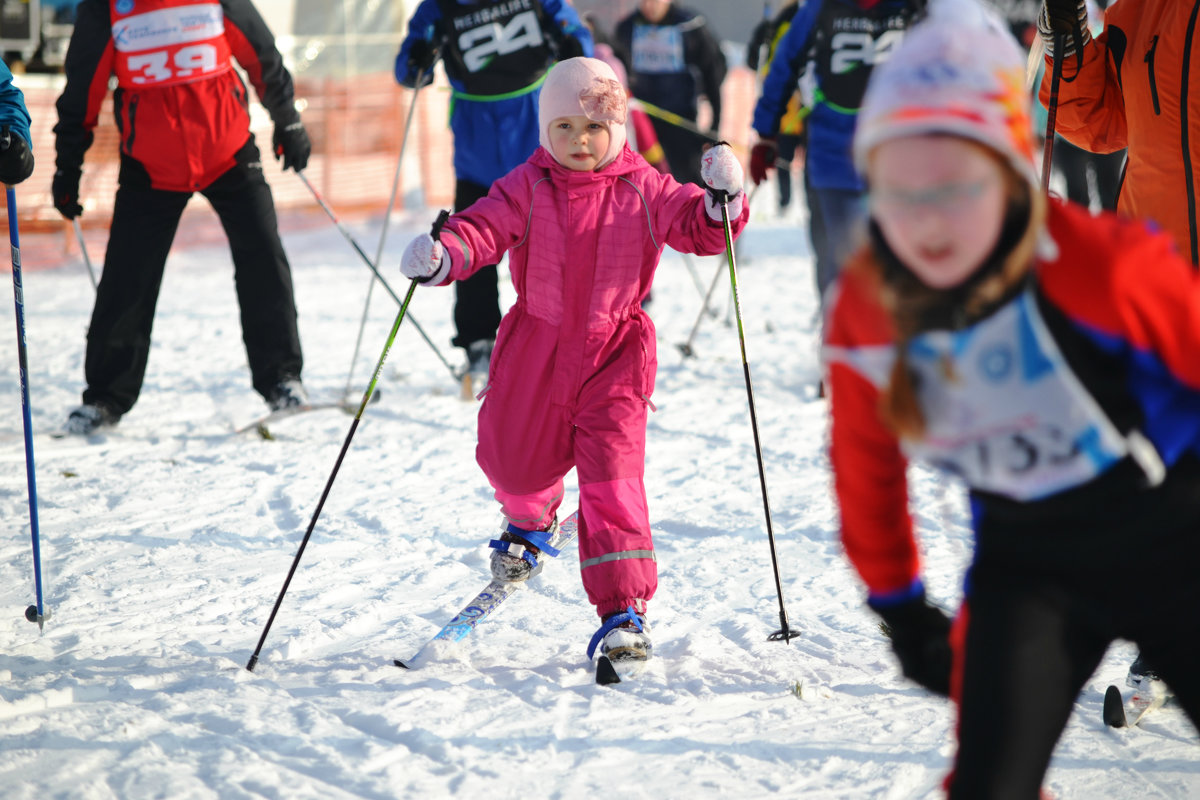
912	304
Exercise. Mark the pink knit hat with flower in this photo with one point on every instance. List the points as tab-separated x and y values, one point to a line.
959	72
585	87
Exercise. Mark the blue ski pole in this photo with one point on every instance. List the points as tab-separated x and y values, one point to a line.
37	612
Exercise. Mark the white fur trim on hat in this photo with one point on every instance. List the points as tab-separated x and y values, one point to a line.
958	72
584	87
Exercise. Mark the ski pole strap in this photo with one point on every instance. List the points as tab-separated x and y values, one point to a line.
615	621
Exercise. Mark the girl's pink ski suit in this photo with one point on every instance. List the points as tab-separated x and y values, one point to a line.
574	363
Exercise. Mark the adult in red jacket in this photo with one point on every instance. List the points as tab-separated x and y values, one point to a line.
182	112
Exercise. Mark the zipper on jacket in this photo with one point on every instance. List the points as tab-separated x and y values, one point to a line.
1189	176
1149	59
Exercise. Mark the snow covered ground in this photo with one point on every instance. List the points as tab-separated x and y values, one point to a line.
165	543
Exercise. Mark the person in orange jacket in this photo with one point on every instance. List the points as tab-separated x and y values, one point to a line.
1124	88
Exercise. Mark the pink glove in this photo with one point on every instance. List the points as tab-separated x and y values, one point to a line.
425	260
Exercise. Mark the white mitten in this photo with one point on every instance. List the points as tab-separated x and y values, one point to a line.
722	172
425	260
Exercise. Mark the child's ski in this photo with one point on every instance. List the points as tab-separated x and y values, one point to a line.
490	598
262	426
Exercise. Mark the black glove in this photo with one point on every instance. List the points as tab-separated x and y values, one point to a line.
569	47
422	55
16	159
760	36
1068	17
291	142
920	636
65	190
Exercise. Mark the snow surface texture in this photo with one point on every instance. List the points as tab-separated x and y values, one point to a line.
165	543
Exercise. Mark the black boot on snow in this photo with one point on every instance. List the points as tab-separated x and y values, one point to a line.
89	417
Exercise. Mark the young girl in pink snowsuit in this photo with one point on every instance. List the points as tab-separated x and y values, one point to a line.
584	222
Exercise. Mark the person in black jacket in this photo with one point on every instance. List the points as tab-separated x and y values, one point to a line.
496	56
182	112
674	61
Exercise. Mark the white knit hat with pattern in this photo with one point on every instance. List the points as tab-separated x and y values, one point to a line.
584	87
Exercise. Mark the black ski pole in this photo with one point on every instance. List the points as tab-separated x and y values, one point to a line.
1060	40
686	347
785	632
437	227
37	611
383	231
367	260
87	260
691	268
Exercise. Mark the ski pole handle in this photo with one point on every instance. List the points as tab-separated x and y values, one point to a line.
442	218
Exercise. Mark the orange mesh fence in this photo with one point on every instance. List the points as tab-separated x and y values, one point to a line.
356	128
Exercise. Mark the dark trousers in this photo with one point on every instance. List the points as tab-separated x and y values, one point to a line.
477	299
682	148
1033	639
143	227
786	150
835	218
1075	163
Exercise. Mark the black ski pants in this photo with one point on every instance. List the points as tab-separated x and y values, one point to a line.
143	227
1033	639
682	148
477	299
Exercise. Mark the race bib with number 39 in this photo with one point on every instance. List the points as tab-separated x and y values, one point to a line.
170	44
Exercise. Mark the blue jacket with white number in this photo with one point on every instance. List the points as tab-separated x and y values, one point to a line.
496	56
830	50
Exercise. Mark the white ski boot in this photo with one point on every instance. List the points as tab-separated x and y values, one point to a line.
625	647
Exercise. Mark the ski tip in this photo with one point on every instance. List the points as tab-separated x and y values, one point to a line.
1114	708
400	664
606	674
263	431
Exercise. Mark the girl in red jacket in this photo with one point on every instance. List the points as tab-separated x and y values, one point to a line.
1024	348
584	222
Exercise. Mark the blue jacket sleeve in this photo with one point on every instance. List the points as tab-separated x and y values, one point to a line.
424	27
13	112
567	18
785	69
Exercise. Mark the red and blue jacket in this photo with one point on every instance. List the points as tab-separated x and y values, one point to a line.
1071	412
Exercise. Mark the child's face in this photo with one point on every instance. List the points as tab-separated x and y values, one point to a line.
578	143
940	202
